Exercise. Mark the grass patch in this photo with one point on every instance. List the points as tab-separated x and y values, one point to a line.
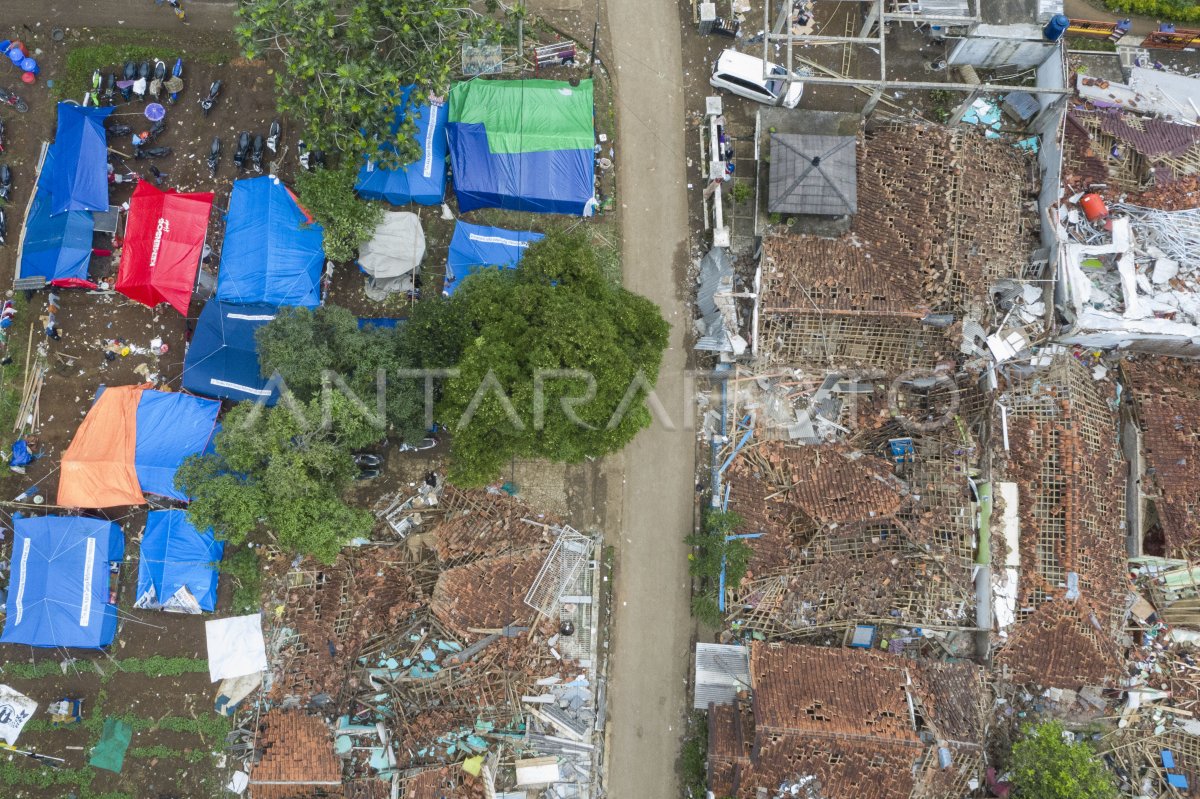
166	753
155	666
1088	43
693	759
121	45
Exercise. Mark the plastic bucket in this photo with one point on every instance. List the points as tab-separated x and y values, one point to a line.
30	65
16	56
29	78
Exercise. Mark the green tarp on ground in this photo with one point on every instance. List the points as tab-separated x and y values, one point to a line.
526	116
109	754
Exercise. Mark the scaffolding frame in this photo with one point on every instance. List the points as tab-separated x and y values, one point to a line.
567	559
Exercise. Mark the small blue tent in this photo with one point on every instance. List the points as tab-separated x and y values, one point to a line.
177	570
80	177
56	247
58	595
170	427
422	181
222	360
475	247
273	251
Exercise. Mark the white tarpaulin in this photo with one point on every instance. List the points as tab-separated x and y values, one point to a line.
15	710
390	259
235	646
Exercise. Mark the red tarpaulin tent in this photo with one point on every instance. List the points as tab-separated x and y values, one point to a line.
164	238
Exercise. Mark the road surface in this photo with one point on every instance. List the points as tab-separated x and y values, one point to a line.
208	15
652	626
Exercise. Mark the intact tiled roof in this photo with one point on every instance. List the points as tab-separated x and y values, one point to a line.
298	760
486	594
813	690
1166	393
813	174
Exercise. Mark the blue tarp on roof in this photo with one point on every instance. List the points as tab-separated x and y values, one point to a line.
174	555
55	247
422	181
80	178
475	247
271	253
170	427
58	593
222	360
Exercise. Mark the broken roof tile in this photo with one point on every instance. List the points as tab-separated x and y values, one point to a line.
298	761
487	594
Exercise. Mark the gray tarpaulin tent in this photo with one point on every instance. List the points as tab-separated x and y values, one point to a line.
390	259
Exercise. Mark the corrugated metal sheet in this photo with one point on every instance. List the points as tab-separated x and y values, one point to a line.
716	285
721	671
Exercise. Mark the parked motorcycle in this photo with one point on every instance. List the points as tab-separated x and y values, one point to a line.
273	136
151	152
156	129
428	442
310	159
209	101
158	76
119	130
214	156
8	98
110	88
143	80
92	98
177	78
243	149
128	76
5	183
256	154
3	227
1	136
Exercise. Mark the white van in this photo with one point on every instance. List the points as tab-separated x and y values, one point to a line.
743	75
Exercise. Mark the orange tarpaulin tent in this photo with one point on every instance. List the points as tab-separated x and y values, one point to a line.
97	468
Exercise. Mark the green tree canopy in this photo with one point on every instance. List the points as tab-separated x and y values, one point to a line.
306	346
554	325
347	219
344	60
1044	766
282	470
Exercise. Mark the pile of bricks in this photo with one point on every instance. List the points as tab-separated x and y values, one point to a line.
486	594
478	524
845	718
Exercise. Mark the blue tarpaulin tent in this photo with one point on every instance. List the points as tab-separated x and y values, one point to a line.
170	427
177	570
422	181
80	178
59	594
273	252
57	247
475	247
222	360
524	145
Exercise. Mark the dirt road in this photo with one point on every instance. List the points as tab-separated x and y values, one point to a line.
213	15
652	624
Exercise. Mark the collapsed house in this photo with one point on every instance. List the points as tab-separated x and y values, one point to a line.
853	724
1064	458
913	276
298	760
1121	152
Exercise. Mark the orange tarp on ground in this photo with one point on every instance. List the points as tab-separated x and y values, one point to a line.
97	469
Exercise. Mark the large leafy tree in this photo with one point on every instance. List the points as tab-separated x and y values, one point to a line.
347	220
555	361
1045	766
324	349
343	61
281	472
